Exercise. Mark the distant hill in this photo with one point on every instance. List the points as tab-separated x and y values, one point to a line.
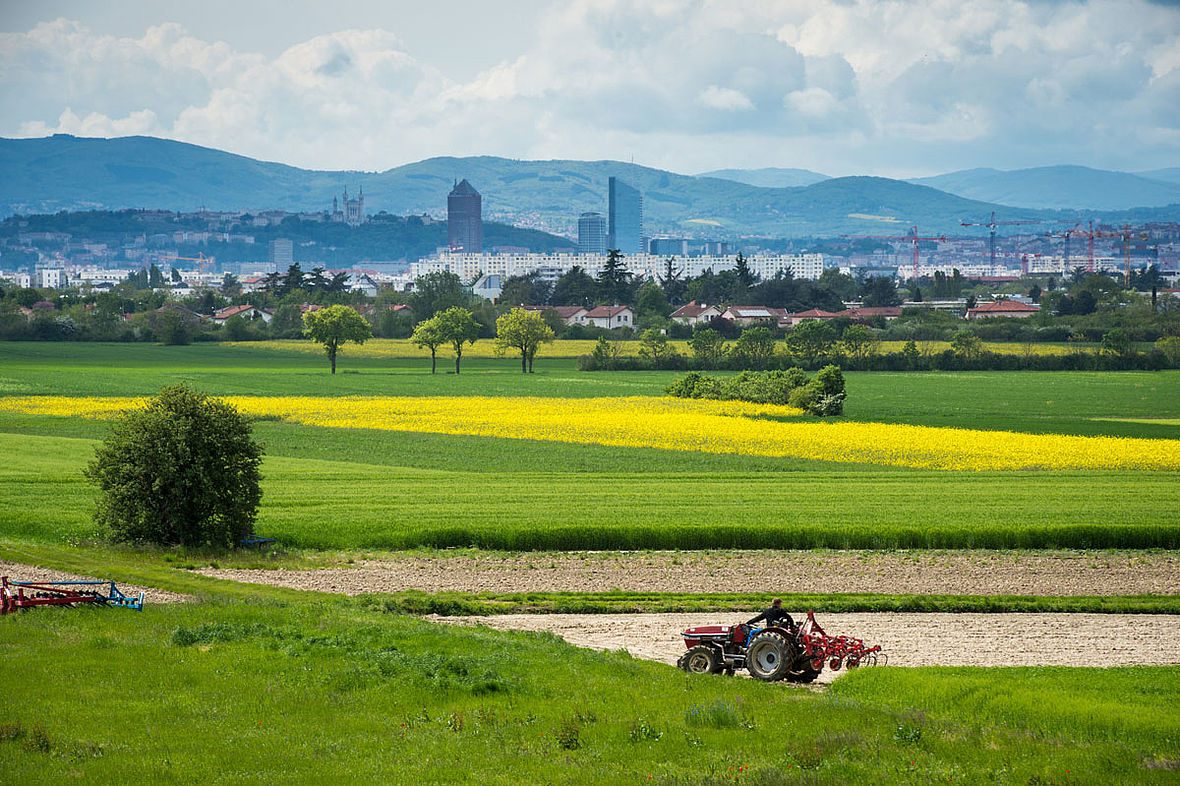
770	177
71	173
1058	187
1169	175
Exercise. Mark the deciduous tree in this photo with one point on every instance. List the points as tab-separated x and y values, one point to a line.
525	331
708	347
333	326
810	340
756	346
183	470
457	327
426	335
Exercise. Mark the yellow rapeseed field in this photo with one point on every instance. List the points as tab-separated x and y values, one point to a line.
402	348
998	347
681	424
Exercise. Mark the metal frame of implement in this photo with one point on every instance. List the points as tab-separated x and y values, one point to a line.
16	595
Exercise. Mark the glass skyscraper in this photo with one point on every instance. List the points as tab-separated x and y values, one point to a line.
592	233
625	231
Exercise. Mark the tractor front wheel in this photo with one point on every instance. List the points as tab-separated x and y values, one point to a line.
769	657
700	659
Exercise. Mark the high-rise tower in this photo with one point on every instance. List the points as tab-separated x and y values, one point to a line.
592	233
465	218
626	217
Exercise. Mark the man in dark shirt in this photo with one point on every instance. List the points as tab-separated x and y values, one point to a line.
775	616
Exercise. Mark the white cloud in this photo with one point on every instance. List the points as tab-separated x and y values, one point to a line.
862	86
726	98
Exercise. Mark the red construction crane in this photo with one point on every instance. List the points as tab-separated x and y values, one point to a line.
991	225
1126	235
912	236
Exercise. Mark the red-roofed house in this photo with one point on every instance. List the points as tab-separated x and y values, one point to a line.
751	315
245	312
570	314
870	312
608	317
815	313
695	313
1003	308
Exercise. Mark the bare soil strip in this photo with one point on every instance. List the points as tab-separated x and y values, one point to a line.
908	639
16	571
915	572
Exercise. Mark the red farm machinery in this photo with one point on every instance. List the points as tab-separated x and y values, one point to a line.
775	653
16	595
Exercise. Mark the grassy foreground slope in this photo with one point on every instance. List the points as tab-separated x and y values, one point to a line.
277	686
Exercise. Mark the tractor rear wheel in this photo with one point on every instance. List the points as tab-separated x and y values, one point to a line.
701	659
769	657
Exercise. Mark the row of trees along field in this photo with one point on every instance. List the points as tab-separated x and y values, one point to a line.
517	330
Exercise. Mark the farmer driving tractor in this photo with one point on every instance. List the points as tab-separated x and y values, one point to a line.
774	616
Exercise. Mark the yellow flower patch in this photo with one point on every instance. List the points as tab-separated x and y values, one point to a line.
680	424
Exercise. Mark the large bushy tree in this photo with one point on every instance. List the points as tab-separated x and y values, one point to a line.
184	470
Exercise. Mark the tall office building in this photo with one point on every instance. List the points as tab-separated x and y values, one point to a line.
626	217
465	219
592	233
282	254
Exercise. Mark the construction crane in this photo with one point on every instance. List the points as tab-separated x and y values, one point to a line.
991	225
1126	235
912	236
1077	230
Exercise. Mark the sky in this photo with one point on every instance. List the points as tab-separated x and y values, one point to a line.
891	88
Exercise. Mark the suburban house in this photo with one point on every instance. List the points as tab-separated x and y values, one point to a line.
695	313
245	312
1003	308
187	315
817	314
867	313
608	317
571	314
751	315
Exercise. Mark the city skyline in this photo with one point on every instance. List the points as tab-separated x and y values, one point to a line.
868	87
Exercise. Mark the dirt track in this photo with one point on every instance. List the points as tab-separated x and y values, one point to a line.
909	639
917	572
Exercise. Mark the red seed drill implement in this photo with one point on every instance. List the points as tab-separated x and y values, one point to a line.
16	595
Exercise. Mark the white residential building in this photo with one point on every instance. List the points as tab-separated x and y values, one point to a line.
469	267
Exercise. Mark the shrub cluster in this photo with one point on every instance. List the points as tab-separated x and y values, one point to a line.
823	395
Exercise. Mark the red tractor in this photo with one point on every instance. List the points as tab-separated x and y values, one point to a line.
774	653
